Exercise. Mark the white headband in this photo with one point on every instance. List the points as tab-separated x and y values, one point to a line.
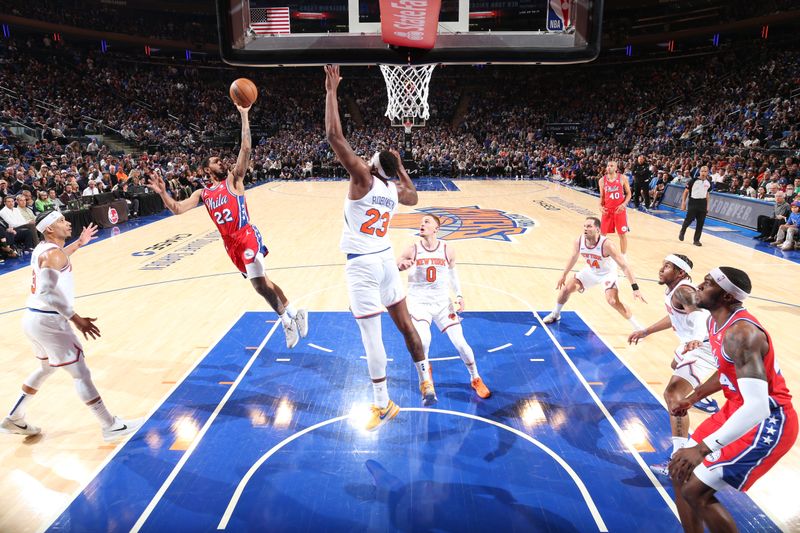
376	160
678	262
47	221
727	285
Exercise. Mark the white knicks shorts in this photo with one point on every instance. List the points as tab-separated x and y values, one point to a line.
695	366
589	279
373	283
52	337
441	312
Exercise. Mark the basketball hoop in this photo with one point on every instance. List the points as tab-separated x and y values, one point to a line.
407	89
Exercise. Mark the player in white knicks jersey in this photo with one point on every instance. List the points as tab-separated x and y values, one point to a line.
431	266
46	324
373	280
690	323
602	258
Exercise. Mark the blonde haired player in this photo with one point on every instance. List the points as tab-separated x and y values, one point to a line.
431	266
690	368
46	324
602	258
373	280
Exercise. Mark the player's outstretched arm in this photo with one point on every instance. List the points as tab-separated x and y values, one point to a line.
360	176
87	234
406	191
244	151
661	325
157	183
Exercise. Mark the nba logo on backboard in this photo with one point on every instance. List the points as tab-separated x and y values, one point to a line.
557	15
113	216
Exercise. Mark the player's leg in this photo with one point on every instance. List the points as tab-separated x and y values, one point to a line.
15	421
677	389
113	427
275	297
612	297
705	508
456	335
621	224
575	283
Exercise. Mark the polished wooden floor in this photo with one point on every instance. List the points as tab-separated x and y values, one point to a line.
156	323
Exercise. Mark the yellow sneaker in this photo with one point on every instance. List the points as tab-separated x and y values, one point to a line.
480	388
428	393
380	416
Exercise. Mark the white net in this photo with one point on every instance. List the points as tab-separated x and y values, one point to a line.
407	88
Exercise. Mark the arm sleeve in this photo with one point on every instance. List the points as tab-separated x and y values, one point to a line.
47	281
755	393
455	283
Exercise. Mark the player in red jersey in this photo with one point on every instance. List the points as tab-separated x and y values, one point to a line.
756	426
227	207
615	193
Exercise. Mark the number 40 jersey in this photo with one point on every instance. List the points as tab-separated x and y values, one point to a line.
366	220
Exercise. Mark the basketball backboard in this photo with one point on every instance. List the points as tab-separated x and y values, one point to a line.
301	32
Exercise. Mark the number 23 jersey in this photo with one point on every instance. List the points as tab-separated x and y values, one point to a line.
366	220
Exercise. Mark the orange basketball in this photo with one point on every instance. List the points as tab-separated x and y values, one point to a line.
243	92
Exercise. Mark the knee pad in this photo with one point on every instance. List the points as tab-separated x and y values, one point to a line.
38	377
372	338
83	381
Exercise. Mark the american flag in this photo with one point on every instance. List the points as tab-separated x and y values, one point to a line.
270	20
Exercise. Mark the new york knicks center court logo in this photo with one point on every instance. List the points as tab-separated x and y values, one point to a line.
470	222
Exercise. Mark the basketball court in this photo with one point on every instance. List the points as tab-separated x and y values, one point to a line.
242	431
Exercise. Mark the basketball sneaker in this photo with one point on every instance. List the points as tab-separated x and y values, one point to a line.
428	393
661	469
292	335
19	426
379	417
121	428
552	317
480	388
301	319
708	405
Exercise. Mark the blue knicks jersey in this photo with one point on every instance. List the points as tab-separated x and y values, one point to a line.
227	209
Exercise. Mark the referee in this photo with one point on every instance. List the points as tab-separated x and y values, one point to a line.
698	195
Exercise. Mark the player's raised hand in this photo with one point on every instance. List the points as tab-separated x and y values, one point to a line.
156	182
88	233
561	282
86	326
636	336
399	159
243	110
332	77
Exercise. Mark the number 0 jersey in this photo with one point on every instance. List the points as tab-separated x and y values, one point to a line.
429	278
366	220
227	209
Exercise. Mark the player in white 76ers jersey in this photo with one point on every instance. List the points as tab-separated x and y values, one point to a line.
602	258
373	280
690	368
226	205
46	323
431	266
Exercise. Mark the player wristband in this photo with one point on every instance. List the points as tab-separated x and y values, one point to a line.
635	286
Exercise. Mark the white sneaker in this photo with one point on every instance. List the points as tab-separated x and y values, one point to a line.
292	336
20	427
301	319
661	469
121	428
552	317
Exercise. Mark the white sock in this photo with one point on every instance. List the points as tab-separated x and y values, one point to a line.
102	414
285	319
423	370
557	310
380	394
677	443
18	411
291	311
635	323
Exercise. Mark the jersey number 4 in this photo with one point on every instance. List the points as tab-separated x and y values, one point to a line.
223	216
369	227
594	263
